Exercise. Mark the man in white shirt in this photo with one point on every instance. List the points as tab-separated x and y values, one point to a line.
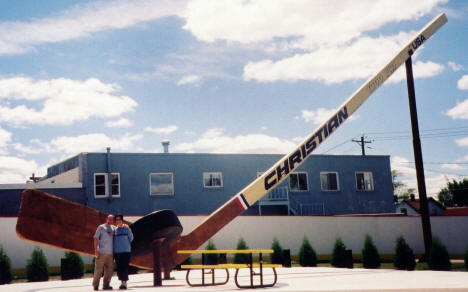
103	251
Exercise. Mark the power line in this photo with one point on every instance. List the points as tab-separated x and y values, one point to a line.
363	143
411	162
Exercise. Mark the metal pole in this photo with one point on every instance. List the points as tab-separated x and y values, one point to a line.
362	146
425	219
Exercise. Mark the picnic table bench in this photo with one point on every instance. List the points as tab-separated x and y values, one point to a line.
209	269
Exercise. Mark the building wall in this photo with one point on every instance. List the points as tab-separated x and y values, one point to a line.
434	209
10	195
238	170
69	176
259	231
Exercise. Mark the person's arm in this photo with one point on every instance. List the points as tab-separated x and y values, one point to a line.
96	236
130	235
96	251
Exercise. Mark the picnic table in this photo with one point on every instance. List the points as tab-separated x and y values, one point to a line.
209	269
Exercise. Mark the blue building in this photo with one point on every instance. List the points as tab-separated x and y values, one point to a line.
197	184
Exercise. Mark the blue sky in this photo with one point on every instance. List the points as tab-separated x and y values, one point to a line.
227	77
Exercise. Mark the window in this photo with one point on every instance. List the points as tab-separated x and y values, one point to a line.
364	181
329	181
298	181
161	184
101	185
212	179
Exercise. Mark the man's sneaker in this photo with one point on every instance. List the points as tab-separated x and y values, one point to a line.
107	288
123	287
96	288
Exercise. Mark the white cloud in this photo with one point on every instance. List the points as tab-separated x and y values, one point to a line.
452	166
454	66
16	170
5	138
437	182
83	21
121	123
321	115
463	83
301	20
94	142
190	79
331	53
318	116
214	141
463	142
420	70
61	101
402	165
335	64
166	130
460	111
434	183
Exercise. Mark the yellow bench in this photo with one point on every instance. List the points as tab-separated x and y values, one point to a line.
210	269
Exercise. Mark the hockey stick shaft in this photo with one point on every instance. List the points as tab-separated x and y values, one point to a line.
285	166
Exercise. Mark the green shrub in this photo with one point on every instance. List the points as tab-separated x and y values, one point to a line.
307	256
6	274
211	258
370	254
277	256
404	256
37	268
241	258
187	261
466	260
339	258
75	268
439	259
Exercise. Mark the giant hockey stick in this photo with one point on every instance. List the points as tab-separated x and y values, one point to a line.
282	169
36	208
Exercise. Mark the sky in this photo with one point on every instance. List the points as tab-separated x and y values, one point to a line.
228	76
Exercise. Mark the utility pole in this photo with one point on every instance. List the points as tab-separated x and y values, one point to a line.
362	142
425	219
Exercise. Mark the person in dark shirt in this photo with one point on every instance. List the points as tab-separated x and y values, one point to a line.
123	237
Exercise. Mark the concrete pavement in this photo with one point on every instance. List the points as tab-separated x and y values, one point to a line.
289	279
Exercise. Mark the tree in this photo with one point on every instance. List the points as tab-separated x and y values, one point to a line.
6	274
404	256
454	194
397	184
241	258
445	197
277	256
400	192
339	258
466	260
439	259
211	258
307	255
370	254
37	268
76	265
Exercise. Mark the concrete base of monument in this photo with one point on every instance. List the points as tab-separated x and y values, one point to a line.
289	279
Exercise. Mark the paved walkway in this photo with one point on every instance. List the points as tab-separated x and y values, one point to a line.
289	279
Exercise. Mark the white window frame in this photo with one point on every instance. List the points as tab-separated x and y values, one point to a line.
337	181
172	184
371	180
205	174
106	185
306	181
